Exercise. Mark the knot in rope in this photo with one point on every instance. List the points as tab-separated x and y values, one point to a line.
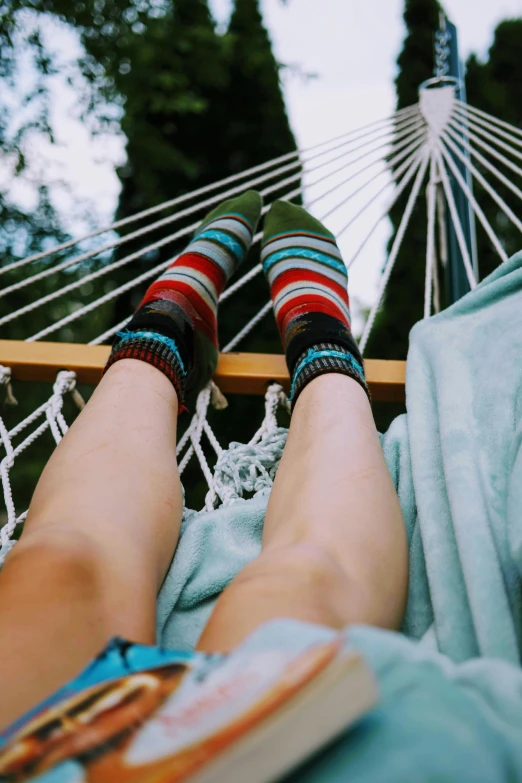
248	468
217	398
5	380
251	467
275	398
66	383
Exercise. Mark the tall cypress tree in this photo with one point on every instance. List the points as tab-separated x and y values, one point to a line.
495	86
174	87
175	80
402	305
258	127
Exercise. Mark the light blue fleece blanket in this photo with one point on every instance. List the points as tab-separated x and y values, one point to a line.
456	460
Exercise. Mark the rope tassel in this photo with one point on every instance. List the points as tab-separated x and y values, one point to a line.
5	380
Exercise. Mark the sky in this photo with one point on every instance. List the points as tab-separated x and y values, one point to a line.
350	47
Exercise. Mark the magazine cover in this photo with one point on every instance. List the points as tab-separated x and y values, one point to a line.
141	714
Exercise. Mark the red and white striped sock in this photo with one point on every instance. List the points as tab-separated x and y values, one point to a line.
309	287
175	326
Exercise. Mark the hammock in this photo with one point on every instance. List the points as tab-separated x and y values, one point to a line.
396	155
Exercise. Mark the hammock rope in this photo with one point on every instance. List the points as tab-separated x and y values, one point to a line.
441	143
201	191
150	273
185	231
205	204
431	200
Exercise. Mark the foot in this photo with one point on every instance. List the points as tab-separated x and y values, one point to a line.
309	288
175	326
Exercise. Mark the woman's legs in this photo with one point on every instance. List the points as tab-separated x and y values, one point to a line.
105	518
99	537
334	546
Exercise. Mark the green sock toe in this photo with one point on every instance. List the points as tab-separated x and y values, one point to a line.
248	205
283	218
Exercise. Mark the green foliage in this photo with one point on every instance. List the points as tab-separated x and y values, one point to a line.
194	107
495	86
257	127
173	117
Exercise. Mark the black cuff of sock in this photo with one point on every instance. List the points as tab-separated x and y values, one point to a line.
324	365
169	319
309	330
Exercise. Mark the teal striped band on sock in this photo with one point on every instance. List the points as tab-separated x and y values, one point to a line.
314	354
128	335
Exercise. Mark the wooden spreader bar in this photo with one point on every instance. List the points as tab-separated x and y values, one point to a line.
237	373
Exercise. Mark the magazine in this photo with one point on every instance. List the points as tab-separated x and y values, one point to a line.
144	715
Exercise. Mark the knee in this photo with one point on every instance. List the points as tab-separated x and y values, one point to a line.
307	581
305	570
59	556
303	562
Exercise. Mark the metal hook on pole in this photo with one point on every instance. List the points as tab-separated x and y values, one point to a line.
442	49
449	71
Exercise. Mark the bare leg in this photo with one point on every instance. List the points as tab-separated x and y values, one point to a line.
99	538
334	545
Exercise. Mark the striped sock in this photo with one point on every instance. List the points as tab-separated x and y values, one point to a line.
175	326
309	287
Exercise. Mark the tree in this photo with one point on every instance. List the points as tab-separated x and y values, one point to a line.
402	305
257	129
257	123
174	85
495	86
194	107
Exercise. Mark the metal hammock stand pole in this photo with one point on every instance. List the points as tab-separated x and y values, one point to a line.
441	144
449	68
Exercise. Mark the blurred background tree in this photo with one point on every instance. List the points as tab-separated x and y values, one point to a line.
493	85
194	106
402	305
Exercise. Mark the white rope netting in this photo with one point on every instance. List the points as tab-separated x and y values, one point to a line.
48	417
434	147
